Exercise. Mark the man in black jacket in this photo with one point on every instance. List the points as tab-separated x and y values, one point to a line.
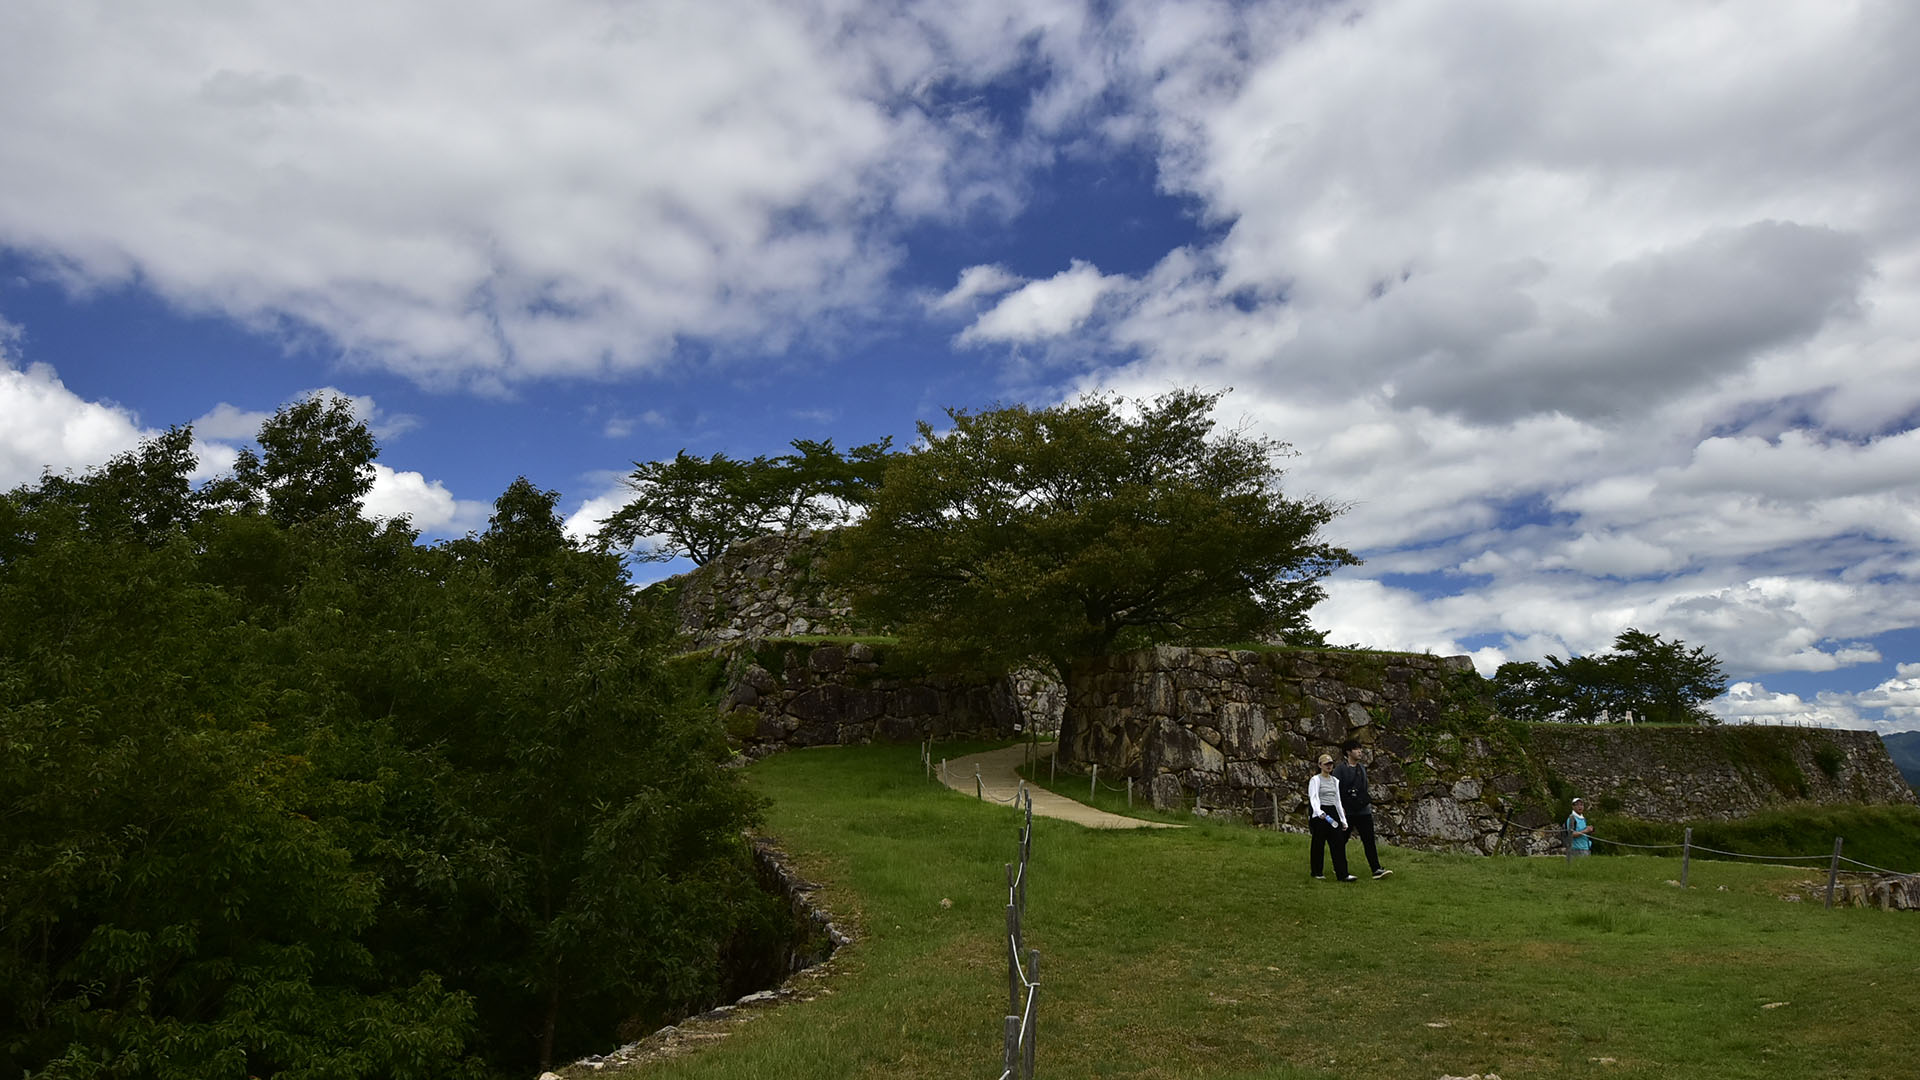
1358	803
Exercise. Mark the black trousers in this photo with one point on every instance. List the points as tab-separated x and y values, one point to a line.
1328	836
1363	828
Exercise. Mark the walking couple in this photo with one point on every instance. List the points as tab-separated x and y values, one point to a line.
1338	799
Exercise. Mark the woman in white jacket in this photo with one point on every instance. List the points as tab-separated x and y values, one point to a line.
1329	822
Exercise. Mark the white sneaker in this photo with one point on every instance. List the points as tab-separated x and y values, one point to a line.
1380	873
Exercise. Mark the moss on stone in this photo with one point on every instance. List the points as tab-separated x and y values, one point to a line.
1829	758
1763	754
742	724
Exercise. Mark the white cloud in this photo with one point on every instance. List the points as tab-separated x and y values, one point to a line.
976	282
427	504
1043	309
594	512
1595	314
487	192
1892	706
1898	698
230	423
1753	703
43	425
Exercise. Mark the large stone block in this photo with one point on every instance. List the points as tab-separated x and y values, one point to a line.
1166	792
1438	819
1244	730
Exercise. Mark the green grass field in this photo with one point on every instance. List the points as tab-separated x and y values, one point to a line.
1207	952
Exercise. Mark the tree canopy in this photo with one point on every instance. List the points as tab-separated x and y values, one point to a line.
1019	535
1657	680
283	792
696	507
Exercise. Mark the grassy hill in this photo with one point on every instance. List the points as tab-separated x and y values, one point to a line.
1904	748
1207	952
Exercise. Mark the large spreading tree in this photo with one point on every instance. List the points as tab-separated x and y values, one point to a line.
1020	535
1657	680
696	507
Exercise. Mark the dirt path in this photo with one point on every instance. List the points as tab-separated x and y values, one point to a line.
999	782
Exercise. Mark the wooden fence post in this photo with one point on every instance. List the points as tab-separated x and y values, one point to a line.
1033	1017
1093	782
1010	1054
1686	855
1013	954
1833	871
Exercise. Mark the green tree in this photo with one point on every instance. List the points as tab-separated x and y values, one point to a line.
1022	535
609	869
179	833
316	460
1657	680
1665	681
695	507
144	494
305	798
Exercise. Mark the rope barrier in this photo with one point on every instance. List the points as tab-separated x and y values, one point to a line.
1769	858
1643	847
1023	979
1878	869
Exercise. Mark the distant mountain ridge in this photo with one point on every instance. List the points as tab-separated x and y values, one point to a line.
1904	748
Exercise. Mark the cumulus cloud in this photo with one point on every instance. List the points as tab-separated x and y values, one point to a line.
1594	316
1753	703
48	427
594	512
230	423
426	504
1897	698
1043	309
976	282
483	193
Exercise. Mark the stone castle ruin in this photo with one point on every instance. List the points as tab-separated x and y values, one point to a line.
1235	732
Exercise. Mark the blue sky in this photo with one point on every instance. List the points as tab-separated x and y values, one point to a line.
1596	314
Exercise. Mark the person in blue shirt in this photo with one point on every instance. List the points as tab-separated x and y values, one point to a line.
1579	833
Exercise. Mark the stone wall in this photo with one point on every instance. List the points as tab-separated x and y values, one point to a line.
1236	732
777	695
1888	892
766	587
1671	774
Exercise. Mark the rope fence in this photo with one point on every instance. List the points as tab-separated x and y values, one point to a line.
1023	979
1019	1026
1687	847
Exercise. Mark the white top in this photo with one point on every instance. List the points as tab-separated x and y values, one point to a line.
1323	793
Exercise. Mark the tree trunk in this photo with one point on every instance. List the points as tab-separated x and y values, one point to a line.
550	1025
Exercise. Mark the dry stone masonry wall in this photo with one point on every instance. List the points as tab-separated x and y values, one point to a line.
766	587
776	693
1672	774
779	695
1236	732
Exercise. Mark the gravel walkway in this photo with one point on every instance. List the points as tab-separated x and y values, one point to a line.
1000	782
